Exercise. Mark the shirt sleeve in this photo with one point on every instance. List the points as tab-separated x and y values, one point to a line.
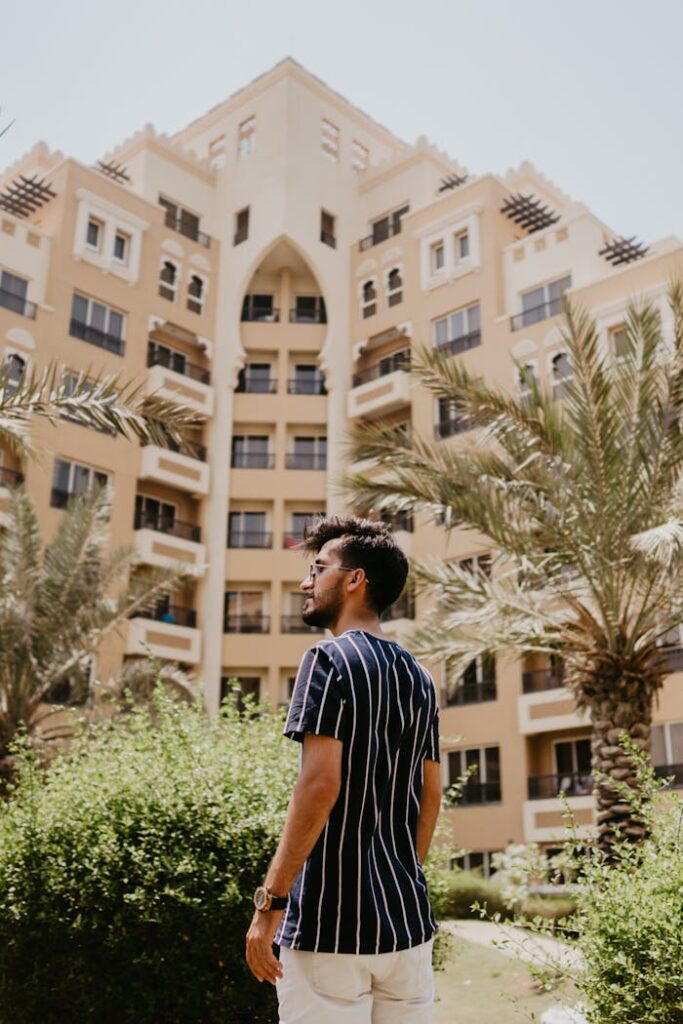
432	747
318	702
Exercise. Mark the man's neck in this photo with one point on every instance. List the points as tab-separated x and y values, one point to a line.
366	623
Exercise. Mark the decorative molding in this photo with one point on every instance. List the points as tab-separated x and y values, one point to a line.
122	216
20	336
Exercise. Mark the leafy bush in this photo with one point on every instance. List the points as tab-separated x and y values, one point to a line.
464	889
125	873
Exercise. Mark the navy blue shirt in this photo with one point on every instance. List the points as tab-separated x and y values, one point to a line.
362	889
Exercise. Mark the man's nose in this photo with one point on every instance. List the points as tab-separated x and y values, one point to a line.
306	583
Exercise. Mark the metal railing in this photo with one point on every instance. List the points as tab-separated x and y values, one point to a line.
252	314
540	679
307	316
246	624
295	624
305	386
257	386
460	344
18	304
473	693
253	460
306	460
173	614
328	239
190	449
249	539
85	332
544	311
176	223
480	793
163	524
379	236
397	361
10	477
168	358
548	787
449	428
671	771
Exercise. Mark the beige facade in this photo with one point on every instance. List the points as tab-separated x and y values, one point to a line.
272	265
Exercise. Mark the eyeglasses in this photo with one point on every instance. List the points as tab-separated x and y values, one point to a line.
316	569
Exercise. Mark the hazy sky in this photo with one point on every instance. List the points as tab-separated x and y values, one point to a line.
590	90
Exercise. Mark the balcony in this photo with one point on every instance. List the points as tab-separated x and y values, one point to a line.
306	460
295	624
260	315
186	228
250	539
171	527
17	304
307	316
384	367
382	388
542	679
246	624
546	310
85	332
306	386
549	787
476	793
256	385
252	460
179	381
171	638
671	771
168	544
176	361
472	693
186	471
379	234
461	344
547	708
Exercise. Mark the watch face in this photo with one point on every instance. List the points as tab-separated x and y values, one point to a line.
261	898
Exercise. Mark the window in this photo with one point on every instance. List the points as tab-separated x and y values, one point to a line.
249	687
121	247
484	784
241	226
459	331
259	308
244	612
13	291
368	299
450	418
246	137
394	287
308	453
667	744
93	235
561	374
437	257
329	139
478	861
168	280
544	301
217	153
527	378
154	514
360	156
248	530
13	369
573	766
71	478
195	294
96	323
385	227
462	245
255	378
475	685
251	451
619	343
477	563
183	221
298	523
70	380
307	380
309	309
327	235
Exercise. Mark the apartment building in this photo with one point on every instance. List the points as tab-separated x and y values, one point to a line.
272	266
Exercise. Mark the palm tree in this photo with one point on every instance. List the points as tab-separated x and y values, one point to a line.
582	500
57	603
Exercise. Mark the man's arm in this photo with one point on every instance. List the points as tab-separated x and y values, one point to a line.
313	798
430	805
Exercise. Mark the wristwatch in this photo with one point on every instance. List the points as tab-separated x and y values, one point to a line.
264	900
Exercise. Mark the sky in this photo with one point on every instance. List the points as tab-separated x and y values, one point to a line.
590	91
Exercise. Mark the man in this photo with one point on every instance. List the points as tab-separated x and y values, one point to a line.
345	896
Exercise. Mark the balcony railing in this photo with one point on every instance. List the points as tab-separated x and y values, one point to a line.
480	793
10	477
254	314
541	679
250	539
379	235
188	230
306	460
461	344
174	614
537	313
253	460
473	693
257	386
295	624
307	316
246	624
328	239
60	498
404	608
18	304
398	361
85	332
176	362
163	524
671	771
548	787
449	428
306	386
191	449
673	659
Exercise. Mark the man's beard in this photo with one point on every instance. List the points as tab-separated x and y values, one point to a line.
324	615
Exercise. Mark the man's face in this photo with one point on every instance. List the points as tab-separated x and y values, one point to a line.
325	590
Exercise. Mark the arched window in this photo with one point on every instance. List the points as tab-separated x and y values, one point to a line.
527	376
369	299
168	280
195	294
561	372
12	371
394	287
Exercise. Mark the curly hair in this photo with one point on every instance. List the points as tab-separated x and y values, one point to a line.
368	545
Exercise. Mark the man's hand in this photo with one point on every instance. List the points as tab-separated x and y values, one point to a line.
260	957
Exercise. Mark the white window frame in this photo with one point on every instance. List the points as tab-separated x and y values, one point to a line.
330	138
446	232
437	257
522	389
165	258
109	310
246	137
360	157
466	314
99	224
458	237
668	740
557	382
373	302
125	237
73	465
217	152
201	302
392	293
480	775
113	220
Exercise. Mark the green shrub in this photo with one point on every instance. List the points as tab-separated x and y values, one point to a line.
126	874
465	888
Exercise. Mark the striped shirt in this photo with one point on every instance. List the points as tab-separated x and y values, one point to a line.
362	889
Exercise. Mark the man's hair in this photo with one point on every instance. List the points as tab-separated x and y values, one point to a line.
368	545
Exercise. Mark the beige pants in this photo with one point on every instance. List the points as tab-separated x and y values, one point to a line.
345	988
